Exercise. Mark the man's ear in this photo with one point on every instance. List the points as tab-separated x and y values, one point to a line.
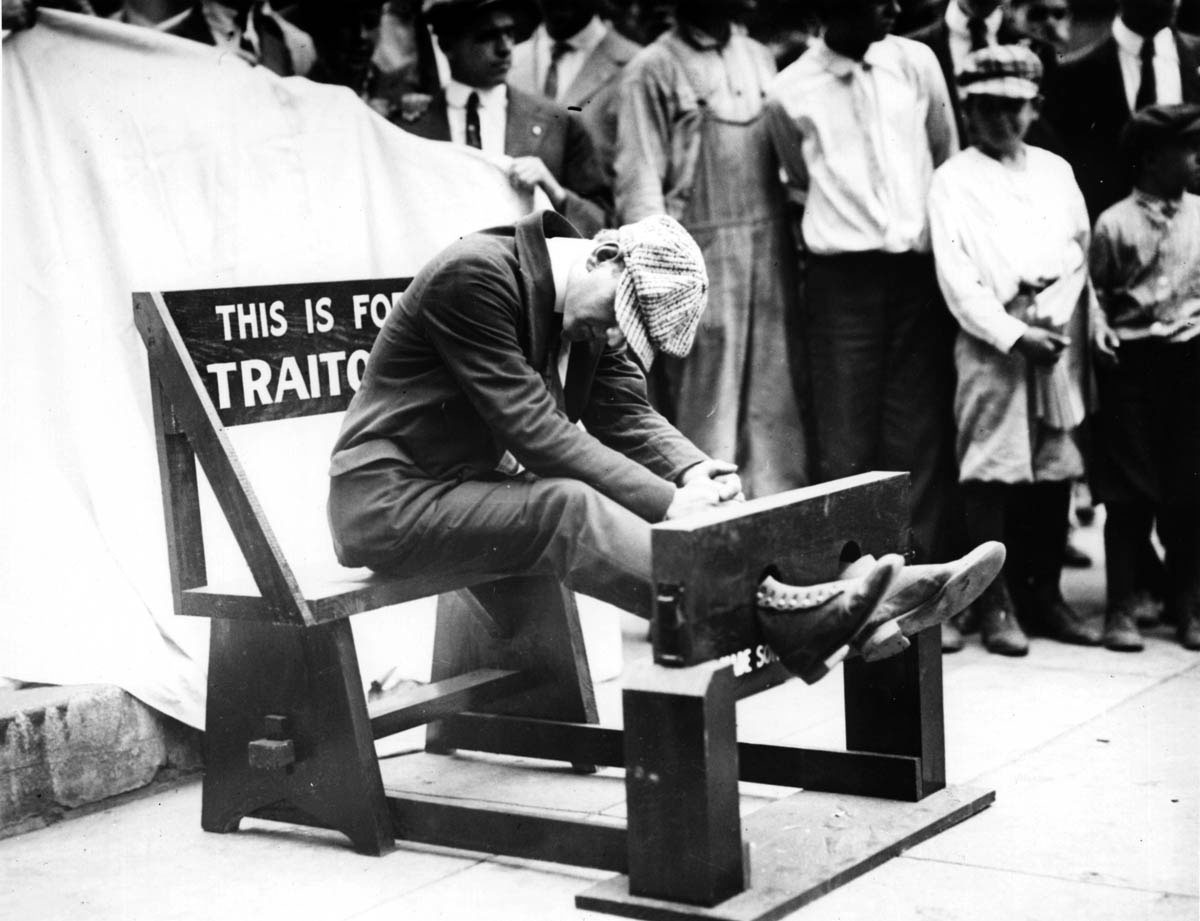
1037	102
604	252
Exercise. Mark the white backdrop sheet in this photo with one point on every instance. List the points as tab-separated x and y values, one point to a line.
134	161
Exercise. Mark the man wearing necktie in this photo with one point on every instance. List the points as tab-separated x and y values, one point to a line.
860	122
969	25
253	30
1142	61
575	59
542	145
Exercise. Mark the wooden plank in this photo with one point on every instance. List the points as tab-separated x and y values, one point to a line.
596	841
861	773
714	561
523	623
445	698
328	599
175	373
803	847
310	678
180	499
311	338
895	707
681	771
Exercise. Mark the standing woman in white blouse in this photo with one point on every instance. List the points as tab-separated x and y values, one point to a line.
1010	236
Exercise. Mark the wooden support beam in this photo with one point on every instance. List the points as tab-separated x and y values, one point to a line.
445	698
895	777
596	841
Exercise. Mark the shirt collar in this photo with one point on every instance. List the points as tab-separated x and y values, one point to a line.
585	40
841	66
1162	208
1131	43
700	40
956	20
457	93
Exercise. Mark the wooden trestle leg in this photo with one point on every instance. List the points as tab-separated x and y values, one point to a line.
681	784
288	736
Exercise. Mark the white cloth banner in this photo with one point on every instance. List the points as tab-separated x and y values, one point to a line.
138	161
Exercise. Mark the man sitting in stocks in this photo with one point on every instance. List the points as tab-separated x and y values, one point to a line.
460	451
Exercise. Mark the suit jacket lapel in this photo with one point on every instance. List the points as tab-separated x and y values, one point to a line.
1189	70
1110	85
523	125
433	124
595	72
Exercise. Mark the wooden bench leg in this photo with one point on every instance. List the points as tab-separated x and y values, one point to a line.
288	732
894	707
681	784
527	623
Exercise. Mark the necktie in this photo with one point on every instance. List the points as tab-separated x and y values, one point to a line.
269	48
473	137
978	30
1147	93
550	90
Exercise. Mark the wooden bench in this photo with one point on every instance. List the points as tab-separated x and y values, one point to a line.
290	734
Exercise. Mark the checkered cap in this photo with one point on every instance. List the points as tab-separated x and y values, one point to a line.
663	289
1012	71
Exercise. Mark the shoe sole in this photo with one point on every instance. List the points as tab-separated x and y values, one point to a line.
980	568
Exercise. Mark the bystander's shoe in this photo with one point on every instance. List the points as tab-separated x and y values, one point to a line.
1121	632
952	638
1056	619
998	627
1189	629
924	596
1146	610
810	627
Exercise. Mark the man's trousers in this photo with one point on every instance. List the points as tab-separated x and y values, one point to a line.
880	345
384	518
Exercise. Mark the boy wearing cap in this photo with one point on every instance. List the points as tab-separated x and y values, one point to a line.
460	454
1145	263
1010	234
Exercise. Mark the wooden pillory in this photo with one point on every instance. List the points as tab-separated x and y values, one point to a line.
290	734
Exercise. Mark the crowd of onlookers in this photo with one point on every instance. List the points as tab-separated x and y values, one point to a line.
969	253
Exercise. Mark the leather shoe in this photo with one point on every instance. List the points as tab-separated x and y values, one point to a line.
998	627
810	627
925	595
1058	620
1146	610
1189	629
1121	632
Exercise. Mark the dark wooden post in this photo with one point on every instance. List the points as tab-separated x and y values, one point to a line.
681	784
894	707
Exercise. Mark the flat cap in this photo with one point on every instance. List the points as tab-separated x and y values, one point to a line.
663	290
1010	71
1155	125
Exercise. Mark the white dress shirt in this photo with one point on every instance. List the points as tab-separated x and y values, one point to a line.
1168	86
997	225
227	34
960	33
493	114
582	43
863	139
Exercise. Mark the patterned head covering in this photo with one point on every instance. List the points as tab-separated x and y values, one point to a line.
663	289
1011	71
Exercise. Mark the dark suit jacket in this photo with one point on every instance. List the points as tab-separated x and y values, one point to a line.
594	91
539	128
937	36
1089	108
465	368
195	27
